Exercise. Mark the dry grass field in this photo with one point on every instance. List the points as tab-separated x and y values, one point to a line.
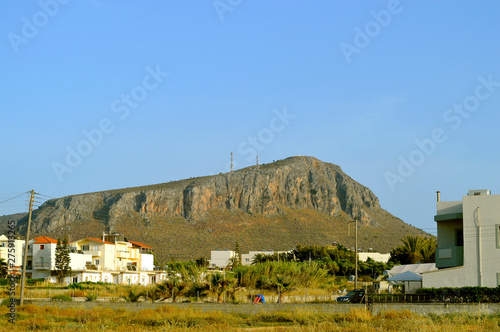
47	318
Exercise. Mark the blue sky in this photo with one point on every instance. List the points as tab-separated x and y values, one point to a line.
403	95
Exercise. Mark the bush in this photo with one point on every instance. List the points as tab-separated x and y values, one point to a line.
61	297
75	285
463	294
91	297
6	301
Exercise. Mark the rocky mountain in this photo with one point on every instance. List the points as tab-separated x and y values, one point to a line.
299	200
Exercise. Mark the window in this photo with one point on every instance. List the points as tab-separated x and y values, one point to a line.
96	248
460	237
497	226
96	262
42	247
85	248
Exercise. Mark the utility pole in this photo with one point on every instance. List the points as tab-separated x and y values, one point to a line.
356	257
26	244
355	221
232	163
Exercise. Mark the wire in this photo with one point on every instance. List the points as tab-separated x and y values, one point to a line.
50	197
13	198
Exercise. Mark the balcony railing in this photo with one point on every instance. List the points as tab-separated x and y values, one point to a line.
41	266
92	252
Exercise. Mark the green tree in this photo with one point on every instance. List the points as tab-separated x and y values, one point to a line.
219	283
429	251
3	268
235	261
279	283
63	260
202	262
260	258
174	286
414	249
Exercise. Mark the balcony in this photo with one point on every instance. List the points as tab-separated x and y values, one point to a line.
41	266
94	253
449	257
122	254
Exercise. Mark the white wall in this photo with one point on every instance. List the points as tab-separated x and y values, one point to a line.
376	256
78	261
474	273
220	258
147	262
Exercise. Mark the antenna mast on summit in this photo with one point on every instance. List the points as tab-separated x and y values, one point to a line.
257	160
232	164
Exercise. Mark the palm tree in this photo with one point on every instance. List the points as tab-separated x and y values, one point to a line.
279	284
260	258
219	283
412	246
415	249
429	251
174	286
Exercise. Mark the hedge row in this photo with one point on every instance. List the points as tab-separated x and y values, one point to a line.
463	294
29	282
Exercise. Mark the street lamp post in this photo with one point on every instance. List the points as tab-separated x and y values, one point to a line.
355	221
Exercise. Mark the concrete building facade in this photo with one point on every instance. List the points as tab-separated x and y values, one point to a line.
468	252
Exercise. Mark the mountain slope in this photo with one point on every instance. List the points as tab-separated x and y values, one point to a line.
273	206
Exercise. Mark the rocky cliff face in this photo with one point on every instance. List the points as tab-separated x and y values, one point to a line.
275	191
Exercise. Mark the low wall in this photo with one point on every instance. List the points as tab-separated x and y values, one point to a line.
437	308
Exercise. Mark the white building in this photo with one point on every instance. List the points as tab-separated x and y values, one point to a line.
247	259
468	252
221	258
91	259
11	252
376	256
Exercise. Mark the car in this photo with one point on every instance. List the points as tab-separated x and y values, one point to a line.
355	296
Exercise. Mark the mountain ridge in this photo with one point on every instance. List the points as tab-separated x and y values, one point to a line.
258	206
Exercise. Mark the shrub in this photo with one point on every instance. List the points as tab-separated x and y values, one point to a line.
463	294
6	301
61	297
91	297
75	285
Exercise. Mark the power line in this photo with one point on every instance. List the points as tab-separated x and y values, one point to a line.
13	198
50	197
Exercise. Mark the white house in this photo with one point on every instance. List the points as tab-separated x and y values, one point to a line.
376	256
221	258
112	260
468	252
12	252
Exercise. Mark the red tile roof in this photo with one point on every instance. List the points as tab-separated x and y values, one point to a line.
98	240
140	244
44	239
